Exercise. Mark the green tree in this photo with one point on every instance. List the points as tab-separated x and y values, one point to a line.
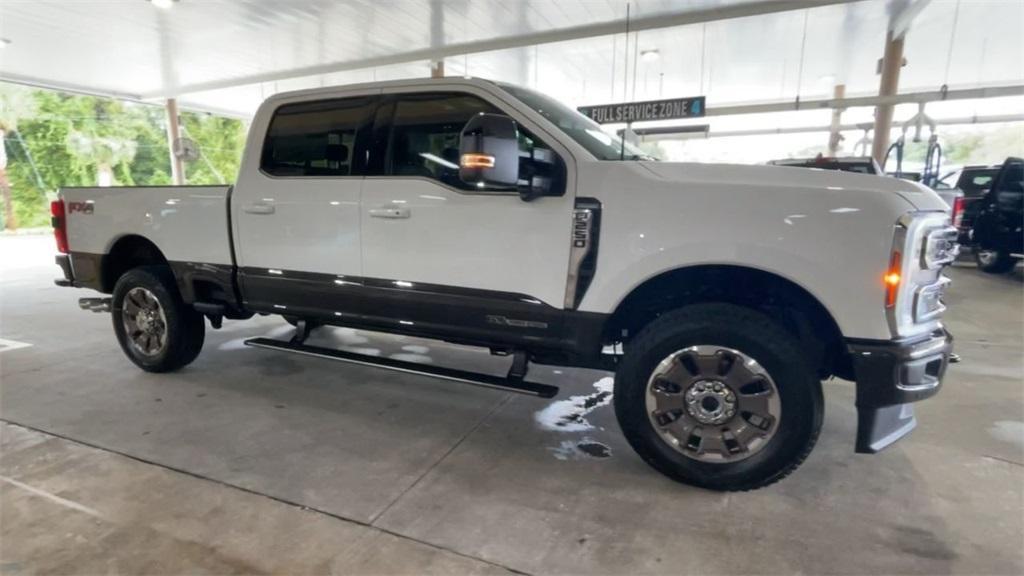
220	142
55	139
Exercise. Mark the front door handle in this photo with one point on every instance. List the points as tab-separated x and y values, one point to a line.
259	208
389	212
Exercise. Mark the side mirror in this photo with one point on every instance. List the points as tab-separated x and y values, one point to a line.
489	152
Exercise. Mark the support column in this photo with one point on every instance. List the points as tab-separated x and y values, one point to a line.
174	135
892	61
437	69
834	137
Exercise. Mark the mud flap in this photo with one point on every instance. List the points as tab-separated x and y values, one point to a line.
878	428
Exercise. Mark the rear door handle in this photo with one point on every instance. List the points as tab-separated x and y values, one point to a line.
259	208
390	212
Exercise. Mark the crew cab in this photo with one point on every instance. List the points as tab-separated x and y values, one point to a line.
490	215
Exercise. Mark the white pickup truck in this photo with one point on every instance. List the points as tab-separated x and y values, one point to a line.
490	215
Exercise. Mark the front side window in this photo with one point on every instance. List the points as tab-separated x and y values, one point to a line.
315	138
425	135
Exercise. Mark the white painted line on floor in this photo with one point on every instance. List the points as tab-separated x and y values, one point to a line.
8	345
52	497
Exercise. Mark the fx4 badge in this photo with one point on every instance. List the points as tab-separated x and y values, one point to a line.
81	207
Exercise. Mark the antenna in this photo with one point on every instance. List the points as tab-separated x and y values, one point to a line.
625	82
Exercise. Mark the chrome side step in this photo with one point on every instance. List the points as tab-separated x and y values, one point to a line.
512	383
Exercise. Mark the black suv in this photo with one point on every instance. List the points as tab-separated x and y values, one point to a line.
997	234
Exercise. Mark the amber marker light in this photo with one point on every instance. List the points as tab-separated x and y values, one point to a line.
476	161
892	279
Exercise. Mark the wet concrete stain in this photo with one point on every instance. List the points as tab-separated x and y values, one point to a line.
570	415
579	450
922	543
594	449
1009	431
278	365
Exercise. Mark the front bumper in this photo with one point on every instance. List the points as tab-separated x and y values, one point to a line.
890	376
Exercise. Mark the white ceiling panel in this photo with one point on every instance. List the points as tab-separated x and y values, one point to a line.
132	47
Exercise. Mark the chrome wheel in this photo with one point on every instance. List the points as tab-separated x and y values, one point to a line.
144	322
713	404
987	257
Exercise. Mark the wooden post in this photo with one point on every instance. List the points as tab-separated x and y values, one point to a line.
839	92
437	69
173	135
892	61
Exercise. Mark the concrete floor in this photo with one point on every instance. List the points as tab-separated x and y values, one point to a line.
253	461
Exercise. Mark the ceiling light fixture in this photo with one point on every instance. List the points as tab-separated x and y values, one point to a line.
5	42
164	4
649	55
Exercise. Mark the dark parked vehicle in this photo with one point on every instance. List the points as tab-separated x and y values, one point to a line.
859	164
997	237
975	182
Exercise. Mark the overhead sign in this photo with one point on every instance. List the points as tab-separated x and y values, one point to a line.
672	109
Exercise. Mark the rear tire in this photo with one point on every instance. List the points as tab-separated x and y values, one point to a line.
755	434
994	261
154	326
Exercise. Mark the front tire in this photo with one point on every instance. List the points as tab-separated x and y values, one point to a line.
994	261
719	396
154	326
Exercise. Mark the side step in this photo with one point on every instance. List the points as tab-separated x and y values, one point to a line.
511	383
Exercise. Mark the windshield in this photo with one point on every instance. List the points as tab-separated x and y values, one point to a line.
583	130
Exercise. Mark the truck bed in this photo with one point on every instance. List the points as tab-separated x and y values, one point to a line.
187	223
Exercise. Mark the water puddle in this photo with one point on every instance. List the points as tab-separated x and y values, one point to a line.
1008	431
569	415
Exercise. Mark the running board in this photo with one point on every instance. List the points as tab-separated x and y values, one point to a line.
511	384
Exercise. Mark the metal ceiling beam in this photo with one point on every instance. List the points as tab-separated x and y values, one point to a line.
861	101
691	134
33	82
656	21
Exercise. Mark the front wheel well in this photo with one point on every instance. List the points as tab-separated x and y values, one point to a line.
786	302
128	252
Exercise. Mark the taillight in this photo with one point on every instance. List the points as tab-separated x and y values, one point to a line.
958	211
60	225
893	279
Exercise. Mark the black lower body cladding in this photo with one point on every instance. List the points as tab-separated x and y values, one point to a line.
890	376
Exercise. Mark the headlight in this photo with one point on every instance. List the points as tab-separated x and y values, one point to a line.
923	244
940	248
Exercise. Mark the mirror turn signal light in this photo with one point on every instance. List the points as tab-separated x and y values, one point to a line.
476	161
892	279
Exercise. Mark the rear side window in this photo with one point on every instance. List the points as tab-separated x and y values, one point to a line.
316	138
976	183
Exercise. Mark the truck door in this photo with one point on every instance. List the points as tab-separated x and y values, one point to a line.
296	205
448	256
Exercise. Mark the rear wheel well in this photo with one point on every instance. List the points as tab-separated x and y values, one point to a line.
793	307
127	253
